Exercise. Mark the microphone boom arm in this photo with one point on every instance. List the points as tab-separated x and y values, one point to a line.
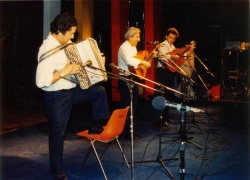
126	79
204	65
181	71
158	84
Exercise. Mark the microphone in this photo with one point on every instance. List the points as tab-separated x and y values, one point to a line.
150	43
159	103
113	66
88	63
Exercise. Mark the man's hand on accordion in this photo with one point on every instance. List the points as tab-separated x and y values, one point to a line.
67	70
71	69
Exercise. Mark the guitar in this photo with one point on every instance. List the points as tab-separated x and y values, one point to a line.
142	70
171	64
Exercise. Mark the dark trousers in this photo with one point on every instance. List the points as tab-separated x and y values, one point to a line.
58	105
167	78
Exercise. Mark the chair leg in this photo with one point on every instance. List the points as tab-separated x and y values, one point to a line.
85	159
122	151
92	143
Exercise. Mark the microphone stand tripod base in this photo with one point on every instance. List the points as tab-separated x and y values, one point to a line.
159	158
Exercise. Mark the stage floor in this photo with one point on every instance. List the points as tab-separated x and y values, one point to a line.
217	144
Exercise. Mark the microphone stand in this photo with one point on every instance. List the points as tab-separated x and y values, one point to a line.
185	75
158	84
130	84
159	158
204	66
130	87
203	81
205	86
182	109
135	75
182	144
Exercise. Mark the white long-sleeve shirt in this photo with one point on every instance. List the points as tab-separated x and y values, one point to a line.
53	63
126	57
165	48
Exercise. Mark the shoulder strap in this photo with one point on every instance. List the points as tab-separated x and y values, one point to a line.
51	52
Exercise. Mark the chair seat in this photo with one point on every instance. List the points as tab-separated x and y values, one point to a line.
96	137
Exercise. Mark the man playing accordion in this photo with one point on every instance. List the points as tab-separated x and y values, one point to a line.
60	94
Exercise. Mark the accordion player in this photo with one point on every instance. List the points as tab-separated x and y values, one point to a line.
84	53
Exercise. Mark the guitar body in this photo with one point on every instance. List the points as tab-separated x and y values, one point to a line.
171	66
180	52
141	70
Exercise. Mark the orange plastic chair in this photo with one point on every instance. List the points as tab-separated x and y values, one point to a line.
111	132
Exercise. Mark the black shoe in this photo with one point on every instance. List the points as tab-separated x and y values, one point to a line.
59	176
96	128
164	123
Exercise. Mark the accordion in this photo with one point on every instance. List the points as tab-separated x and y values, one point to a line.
84	52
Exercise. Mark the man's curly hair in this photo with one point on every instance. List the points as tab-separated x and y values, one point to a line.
62	23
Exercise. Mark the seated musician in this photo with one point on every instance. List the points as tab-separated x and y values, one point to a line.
60	94
164	75
126	58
